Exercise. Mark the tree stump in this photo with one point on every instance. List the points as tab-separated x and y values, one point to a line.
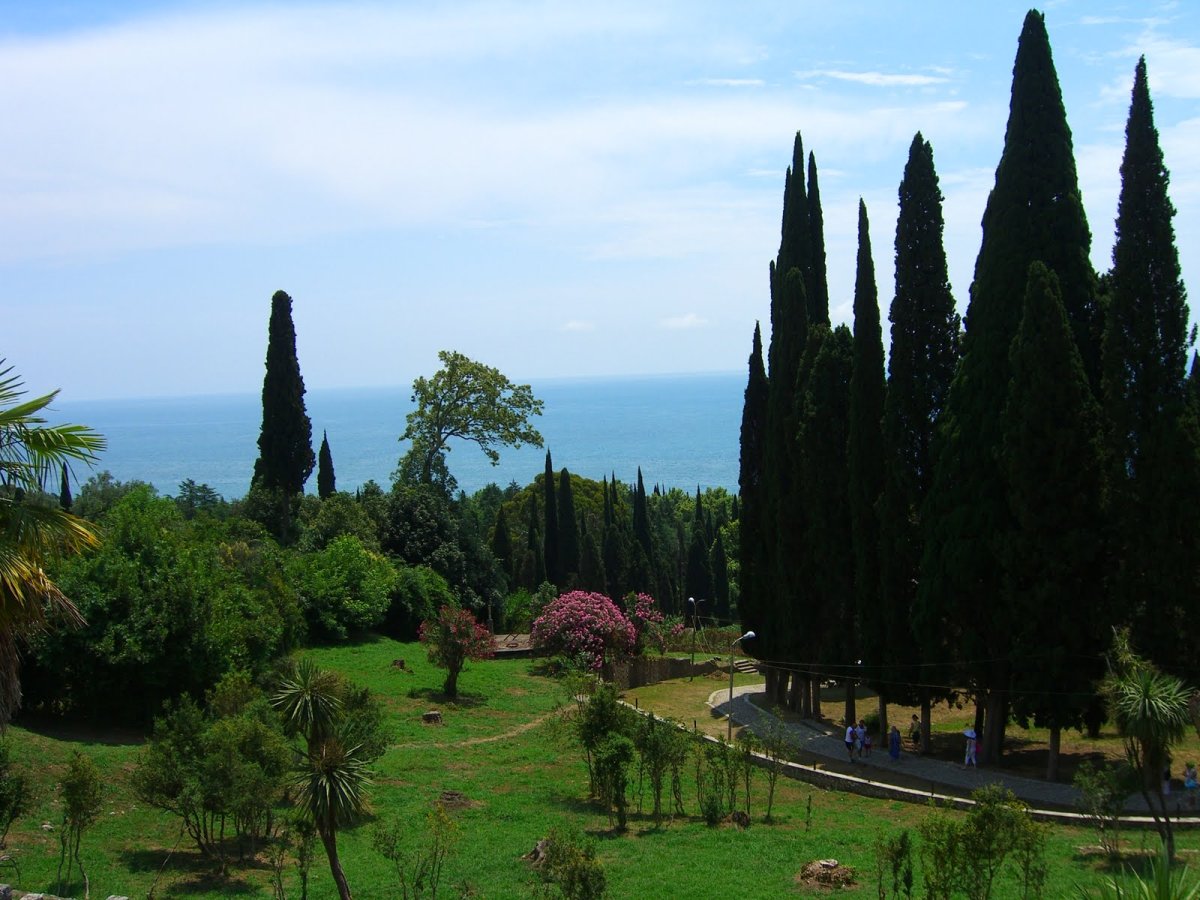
433	717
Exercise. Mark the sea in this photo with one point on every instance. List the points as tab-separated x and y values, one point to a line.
681	430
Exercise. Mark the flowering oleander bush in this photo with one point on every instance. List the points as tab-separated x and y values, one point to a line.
452	638
649	624
584	625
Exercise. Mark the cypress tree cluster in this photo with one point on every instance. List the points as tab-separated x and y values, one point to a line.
980	521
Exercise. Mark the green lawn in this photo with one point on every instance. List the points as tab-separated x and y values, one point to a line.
500	747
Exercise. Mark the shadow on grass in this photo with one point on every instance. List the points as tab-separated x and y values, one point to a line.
71	731
463	700
189	872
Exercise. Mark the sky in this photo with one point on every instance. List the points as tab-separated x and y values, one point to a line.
554	189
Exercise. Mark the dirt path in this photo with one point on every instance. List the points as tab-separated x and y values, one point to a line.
472	742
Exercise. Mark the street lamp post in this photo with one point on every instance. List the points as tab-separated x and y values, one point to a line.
695	618
745	637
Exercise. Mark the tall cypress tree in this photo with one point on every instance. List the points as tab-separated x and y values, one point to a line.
826	606
569	550
535	552
1052	459
865	439
285	455
641	521
502	549
720	570
1033	213
816	282
326	480
551	552
698	581
1146	401
591	563
754	527
924	352
64	492
778	576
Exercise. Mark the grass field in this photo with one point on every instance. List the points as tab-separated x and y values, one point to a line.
519	775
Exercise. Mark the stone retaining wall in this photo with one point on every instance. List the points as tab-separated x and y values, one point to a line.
643	670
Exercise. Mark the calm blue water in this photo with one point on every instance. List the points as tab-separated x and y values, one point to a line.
682	430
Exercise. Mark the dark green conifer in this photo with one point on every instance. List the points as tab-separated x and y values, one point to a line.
535	552
326	480
1146	399
924	352
865	439
816	282
1033	213
1054	558
551	552
641	519
591	562
720	570
502	548
569	549
826	607
698	578
753	499
285	455
64	492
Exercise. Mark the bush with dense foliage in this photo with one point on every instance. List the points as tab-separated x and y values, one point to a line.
170	605
344	588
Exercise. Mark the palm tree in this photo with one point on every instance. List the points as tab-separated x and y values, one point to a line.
332	774
1152	712
32	533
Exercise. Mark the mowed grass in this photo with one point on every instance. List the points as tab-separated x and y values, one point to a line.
504	749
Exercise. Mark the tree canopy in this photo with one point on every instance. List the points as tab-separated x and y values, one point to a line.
470	401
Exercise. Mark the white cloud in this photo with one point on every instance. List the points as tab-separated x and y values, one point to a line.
580	326
685	322
875	79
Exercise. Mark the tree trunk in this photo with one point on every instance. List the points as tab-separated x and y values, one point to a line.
926	719
770	676
798	697
450	687
815	705
851	712
993	735
1052	755
883	721
328	834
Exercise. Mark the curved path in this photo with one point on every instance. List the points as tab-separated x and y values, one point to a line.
917	775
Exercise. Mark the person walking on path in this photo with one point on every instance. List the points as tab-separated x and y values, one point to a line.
860	737
894	744
850	740
914	733
969	758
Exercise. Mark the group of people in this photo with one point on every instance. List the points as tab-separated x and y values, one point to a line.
858	741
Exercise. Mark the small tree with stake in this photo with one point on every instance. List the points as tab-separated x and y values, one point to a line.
453	637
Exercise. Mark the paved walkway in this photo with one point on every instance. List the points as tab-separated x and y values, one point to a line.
932	776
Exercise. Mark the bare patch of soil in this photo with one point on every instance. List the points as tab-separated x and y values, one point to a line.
826	874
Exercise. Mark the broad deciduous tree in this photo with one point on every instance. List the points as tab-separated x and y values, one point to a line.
469	401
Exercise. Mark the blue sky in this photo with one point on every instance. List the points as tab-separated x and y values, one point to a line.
555	189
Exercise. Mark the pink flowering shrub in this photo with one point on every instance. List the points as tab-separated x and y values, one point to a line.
584	625
453	637
649	624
